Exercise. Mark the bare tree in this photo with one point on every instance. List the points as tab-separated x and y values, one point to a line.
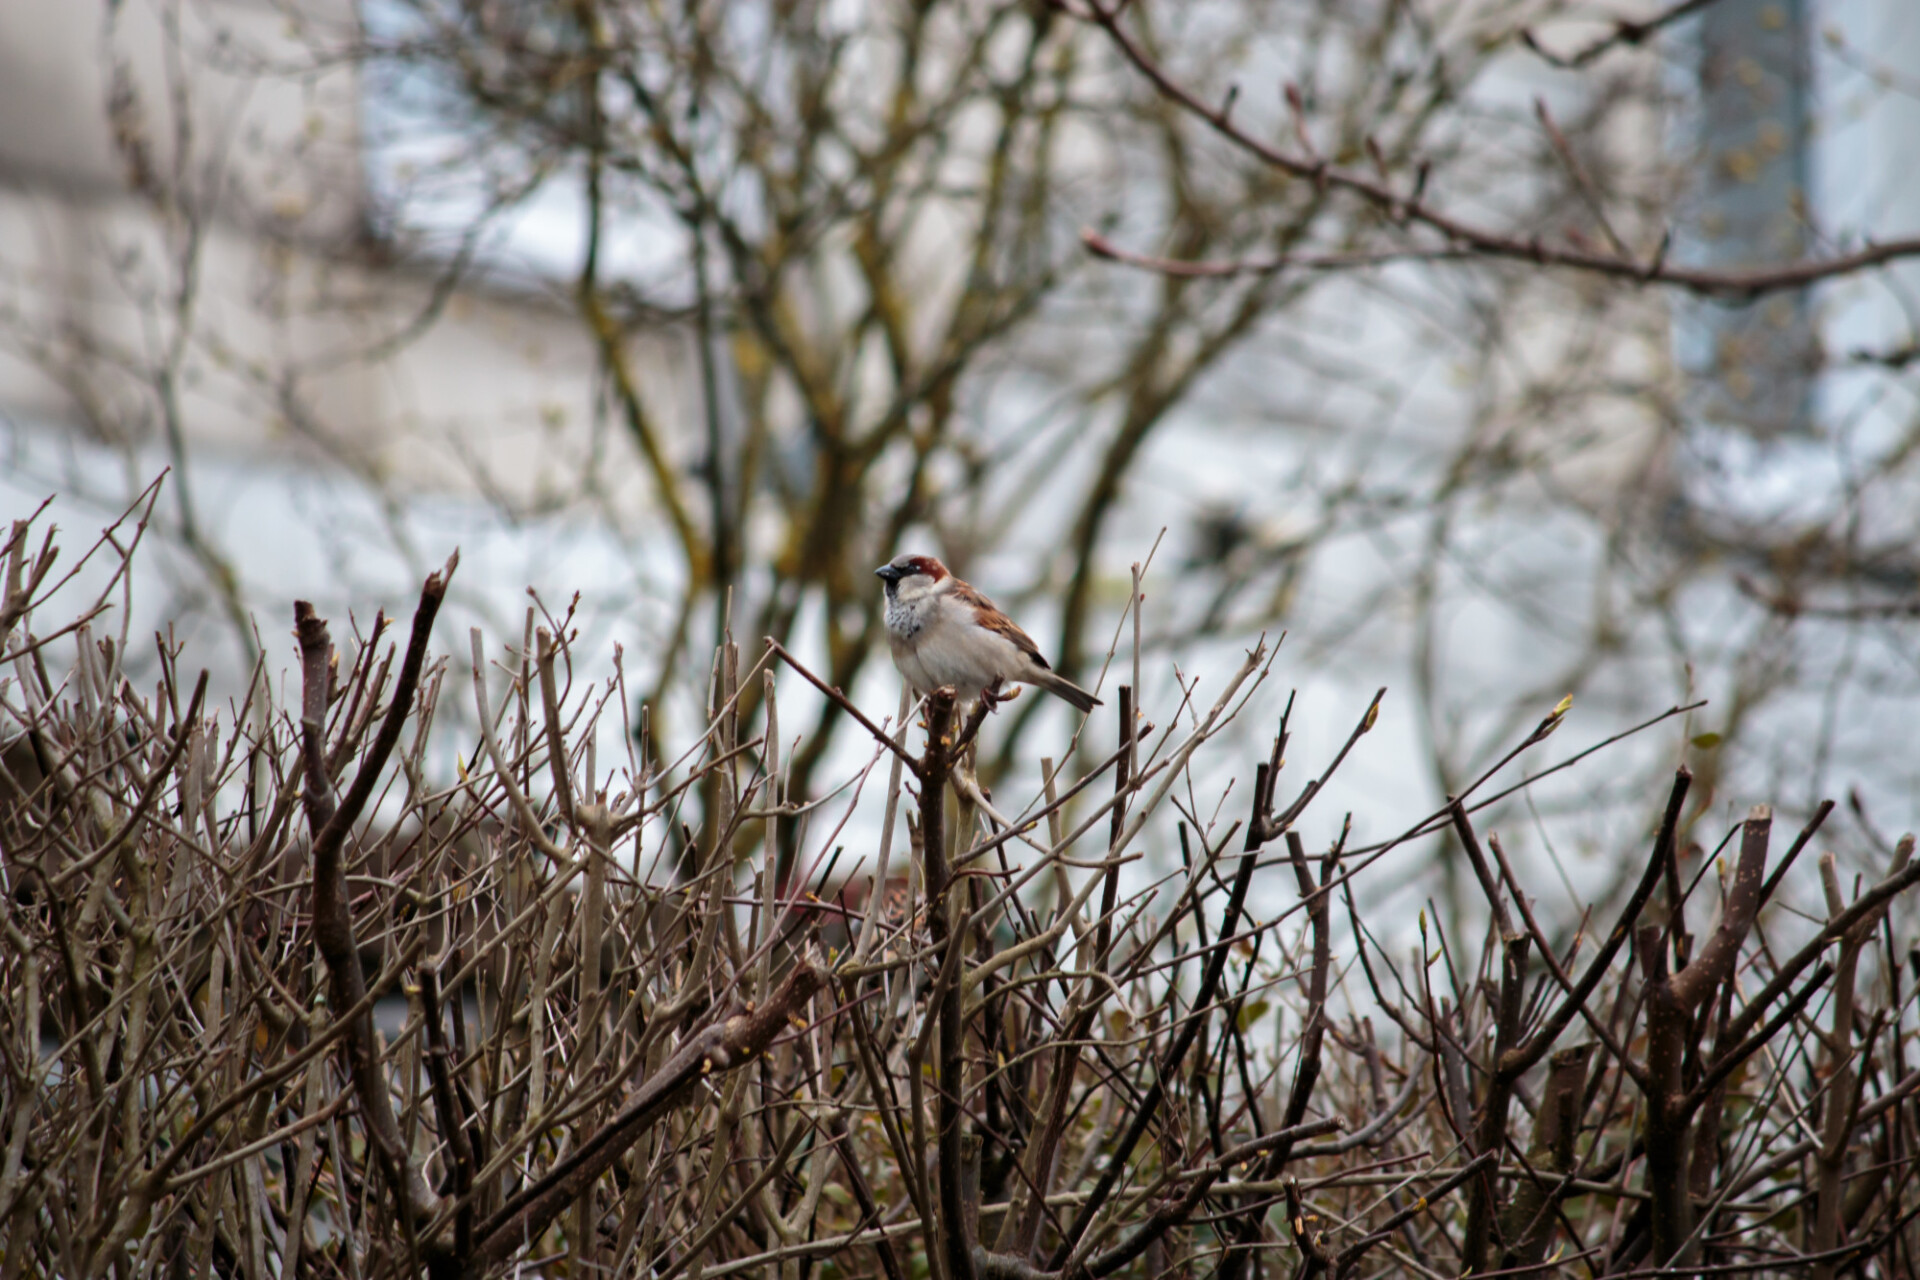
986	277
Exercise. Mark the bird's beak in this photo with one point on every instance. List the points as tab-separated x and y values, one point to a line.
888	572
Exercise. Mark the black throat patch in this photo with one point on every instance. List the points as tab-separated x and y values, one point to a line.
902	619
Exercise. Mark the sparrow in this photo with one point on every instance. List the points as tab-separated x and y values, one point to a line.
943	632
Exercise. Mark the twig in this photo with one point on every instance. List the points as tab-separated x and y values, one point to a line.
1458	233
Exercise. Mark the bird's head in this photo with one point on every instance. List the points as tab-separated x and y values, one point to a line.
915	571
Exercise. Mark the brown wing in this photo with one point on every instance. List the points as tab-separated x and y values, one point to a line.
988	615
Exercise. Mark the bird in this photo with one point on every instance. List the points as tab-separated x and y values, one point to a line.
943	632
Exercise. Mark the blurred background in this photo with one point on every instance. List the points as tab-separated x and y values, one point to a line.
684	317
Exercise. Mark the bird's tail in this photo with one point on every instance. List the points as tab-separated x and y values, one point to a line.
1067	689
